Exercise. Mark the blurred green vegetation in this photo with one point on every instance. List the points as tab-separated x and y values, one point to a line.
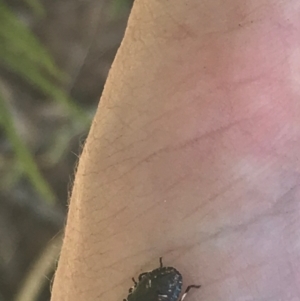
118	6
23	155
25	59
37	7
23	54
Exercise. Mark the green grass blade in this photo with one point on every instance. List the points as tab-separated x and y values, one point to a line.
24	156
19	40
21	52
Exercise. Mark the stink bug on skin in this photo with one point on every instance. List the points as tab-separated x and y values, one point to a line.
161	284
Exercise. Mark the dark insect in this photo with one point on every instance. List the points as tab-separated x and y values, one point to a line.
161	284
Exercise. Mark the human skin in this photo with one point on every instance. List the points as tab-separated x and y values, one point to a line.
193	155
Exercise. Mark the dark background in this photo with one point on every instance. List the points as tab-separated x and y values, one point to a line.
54	60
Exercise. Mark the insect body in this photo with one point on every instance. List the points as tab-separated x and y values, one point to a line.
161	284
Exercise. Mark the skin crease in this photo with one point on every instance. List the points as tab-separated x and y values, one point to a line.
193	155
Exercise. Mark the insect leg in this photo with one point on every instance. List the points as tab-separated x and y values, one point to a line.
187	290
135	283
160	262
